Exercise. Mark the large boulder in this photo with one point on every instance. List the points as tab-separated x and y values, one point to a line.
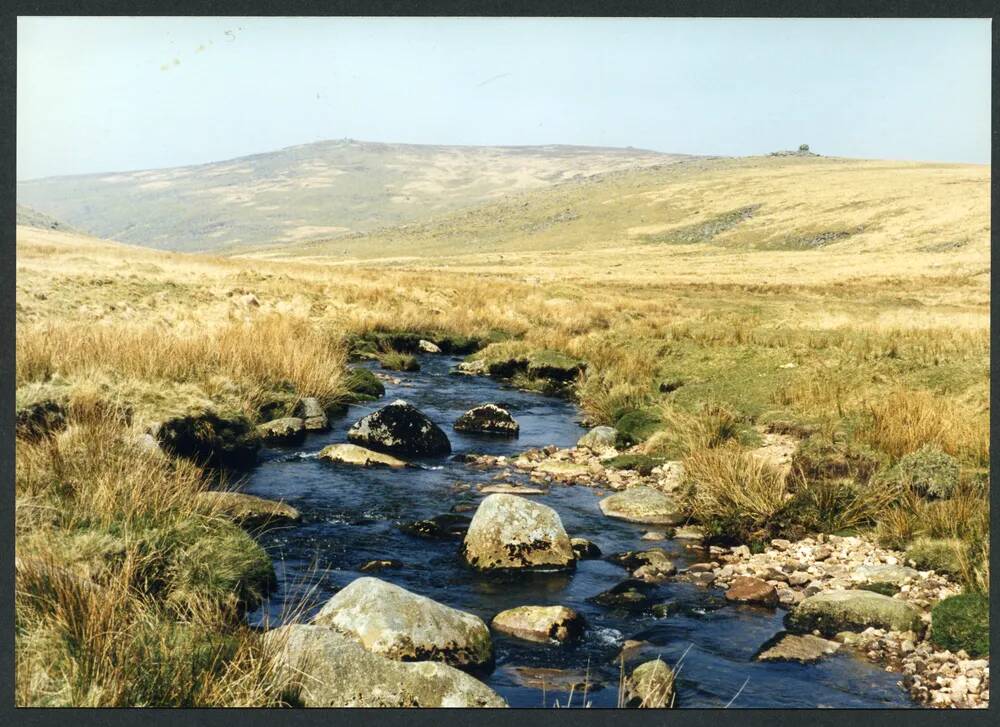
831	612
210	439
399	428
313	415
328	669
544	624
650	686
488	419
389	620
642	505
287	430
353	454
248	510
508	531
599	439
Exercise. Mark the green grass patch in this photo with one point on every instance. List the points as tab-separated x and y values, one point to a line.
962	622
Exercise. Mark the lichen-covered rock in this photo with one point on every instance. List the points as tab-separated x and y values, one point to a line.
287	430
540	623
650	686
353	454
210	439
508	531
388	620
584	549
428	346
248	510
472	368
642	505
488	419
804	649
559	469
328	669
833	611
599	439
652	565
400	429
883	573
312	414
746	589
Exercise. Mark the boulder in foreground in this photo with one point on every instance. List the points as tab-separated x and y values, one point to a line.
388	620
328	669
508	531
400	429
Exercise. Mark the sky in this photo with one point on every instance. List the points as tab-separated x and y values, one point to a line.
118	94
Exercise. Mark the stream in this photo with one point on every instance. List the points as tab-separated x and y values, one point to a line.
351	515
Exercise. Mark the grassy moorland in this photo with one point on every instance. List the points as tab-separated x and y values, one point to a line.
842	304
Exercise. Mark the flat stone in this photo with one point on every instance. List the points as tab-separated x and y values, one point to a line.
380	564
388	620
746	589
509	489
654	535
832	611
328	669
313	415
353	454
553	680
287	430
428	346
249	510
804	649
642	505
543	624
562	470
895	574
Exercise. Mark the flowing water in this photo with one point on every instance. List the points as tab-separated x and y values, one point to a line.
351	515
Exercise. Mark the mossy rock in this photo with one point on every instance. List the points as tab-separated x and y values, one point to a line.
818	458
211	439
364	385
456	345
831	612
641	463
929	472
943	555
637	426
886	589
962	622
41	419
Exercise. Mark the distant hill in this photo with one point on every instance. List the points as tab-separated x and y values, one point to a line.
324	189
29	217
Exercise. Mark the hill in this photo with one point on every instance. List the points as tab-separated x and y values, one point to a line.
314	190
28	217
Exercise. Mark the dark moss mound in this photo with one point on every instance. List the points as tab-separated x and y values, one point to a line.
455	345
637	426
819	459
554	366
396	361
962	622
211	440
40	419
364	385
929	472
641	463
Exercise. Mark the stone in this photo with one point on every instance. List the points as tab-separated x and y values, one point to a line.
355	455
599	439
832	611
654	535
745	589
642	505
428	346
650	686
584	549
389	620
210	439
488	419
562	470
543	624
380	564
509	489
401	430
40	419
689	532
631	594
652	561
328	669
552	680
248	510
287	430
447	526
472	368
894	574
508	531
313	415
804	649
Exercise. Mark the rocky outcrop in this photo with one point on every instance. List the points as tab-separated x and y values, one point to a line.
543	624
247	510
313	415
511	532
745	589
642	505
488	419
400	429
328	669
210	439
834	611
599	439
650	686
355	455
388	620
284	431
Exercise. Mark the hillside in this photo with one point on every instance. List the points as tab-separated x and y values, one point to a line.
314	190
28	217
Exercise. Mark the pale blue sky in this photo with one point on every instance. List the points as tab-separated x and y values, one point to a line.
99	95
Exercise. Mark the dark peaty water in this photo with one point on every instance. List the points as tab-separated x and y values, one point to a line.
351	515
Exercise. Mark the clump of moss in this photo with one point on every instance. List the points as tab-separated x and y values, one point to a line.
364	385
943	555
398	361
641	463
637	426
818	458
962	623
928	472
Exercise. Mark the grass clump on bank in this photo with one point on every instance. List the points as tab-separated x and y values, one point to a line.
962	623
